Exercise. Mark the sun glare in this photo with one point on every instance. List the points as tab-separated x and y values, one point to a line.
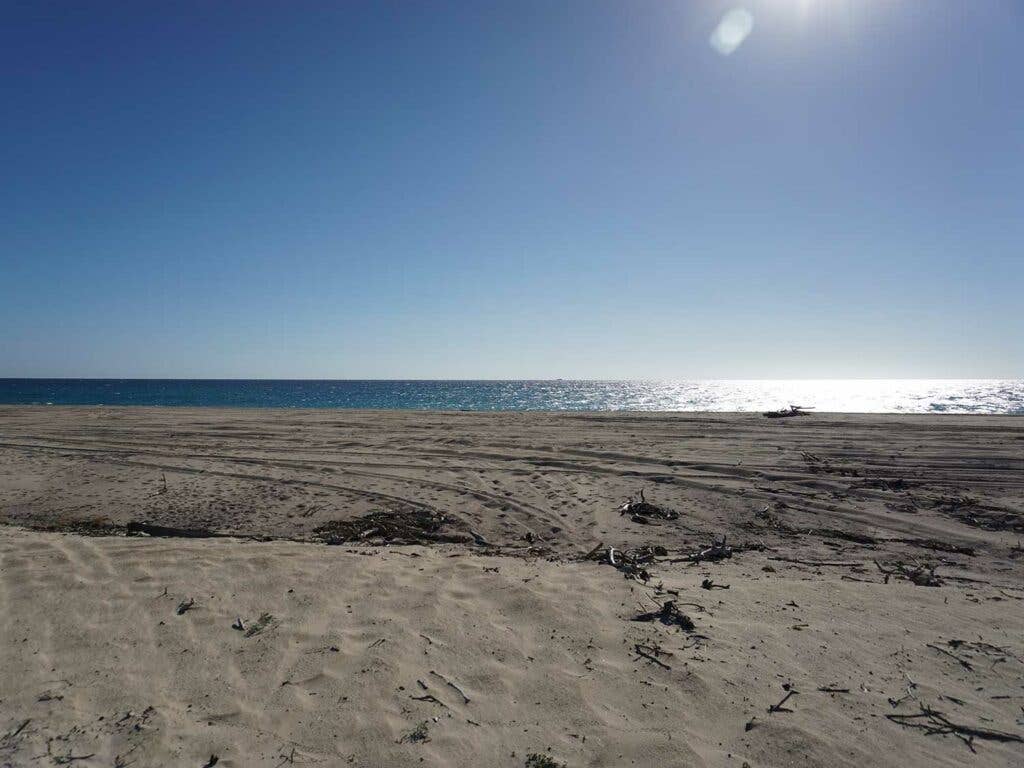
735	26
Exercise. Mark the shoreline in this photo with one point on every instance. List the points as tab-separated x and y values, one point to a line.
312	411
996	396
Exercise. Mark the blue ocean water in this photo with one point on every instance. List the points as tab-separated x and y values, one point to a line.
850	396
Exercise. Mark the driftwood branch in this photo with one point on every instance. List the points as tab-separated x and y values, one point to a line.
931	721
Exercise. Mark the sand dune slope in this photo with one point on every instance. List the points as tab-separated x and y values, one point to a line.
358	646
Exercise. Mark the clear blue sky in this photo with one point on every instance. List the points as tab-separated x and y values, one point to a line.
524	189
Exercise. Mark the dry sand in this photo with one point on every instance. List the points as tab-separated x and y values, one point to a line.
366	646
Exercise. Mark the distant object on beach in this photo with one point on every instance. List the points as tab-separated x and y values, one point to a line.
793	410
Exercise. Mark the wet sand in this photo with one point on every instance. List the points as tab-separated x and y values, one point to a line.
487	596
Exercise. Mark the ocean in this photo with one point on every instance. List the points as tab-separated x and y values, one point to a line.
847	396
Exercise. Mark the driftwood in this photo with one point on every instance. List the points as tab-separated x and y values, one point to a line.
977	646
642	511
669	615
632	562
718	550
921	575
793	410
995	652
709	584
397	526
932	721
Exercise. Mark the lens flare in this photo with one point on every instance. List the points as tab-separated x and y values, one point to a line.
735	26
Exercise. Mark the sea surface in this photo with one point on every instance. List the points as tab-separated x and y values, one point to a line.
849	396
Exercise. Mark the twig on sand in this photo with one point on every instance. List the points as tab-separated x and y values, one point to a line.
65	759
830	563
911	685
932	721
921	575
999	652
431	698
17	730
651	653
778	707
966	665
69	758
450	684
288	759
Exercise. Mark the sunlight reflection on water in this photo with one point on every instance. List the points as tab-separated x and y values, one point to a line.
850	396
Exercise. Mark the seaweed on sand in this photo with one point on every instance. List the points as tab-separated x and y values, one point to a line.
397	526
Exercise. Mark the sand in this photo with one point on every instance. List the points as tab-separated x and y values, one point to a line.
490	638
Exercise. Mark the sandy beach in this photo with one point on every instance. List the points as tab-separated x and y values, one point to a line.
204	587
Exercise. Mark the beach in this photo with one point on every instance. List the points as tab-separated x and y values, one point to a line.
271	587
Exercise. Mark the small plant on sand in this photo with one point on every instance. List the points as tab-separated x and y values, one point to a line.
417	734
535	760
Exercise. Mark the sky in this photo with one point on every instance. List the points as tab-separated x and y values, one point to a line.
633	189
